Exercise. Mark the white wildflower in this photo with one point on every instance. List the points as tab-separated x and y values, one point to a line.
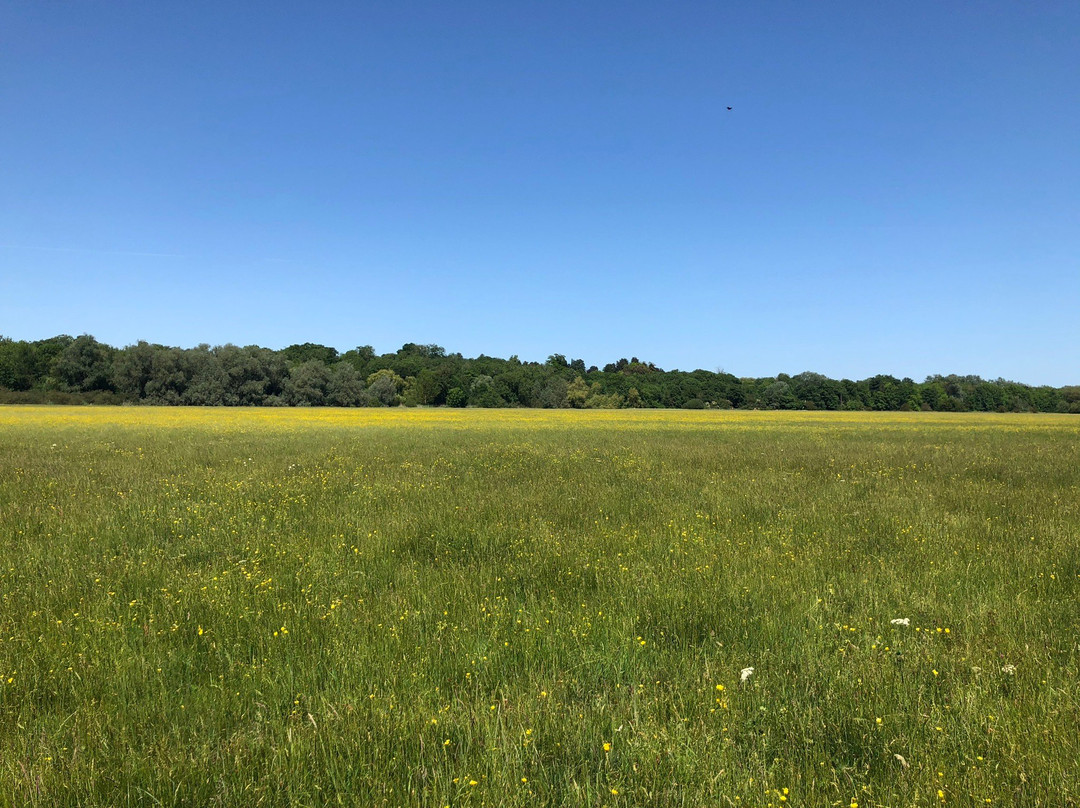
745	674
1009	669
901	621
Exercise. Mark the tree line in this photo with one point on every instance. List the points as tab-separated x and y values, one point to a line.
81	370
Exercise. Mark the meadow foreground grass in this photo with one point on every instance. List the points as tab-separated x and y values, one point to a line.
511	608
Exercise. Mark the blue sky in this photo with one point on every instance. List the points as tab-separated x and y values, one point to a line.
896	189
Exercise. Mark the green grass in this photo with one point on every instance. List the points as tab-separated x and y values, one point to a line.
209	607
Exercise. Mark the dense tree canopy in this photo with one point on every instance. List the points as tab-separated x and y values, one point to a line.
64	369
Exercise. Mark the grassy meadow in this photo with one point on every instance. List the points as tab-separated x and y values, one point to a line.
538	608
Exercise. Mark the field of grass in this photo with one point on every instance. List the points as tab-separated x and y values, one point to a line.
529	608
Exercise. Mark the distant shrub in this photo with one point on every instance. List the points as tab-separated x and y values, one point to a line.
456	397
20	396
104	397
694	404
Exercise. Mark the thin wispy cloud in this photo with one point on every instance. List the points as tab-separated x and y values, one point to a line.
90	250
137	253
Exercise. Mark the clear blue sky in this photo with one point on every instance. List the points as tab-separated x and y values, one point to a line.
897	189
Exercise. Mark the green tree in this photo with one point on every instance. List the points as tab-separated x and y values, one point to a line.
482	393
85	365
168	380
254	375
307	385
598	400
425	388
345	388
298	354
384	388
21	367
551	392
360	358
576	393
778	396
207	379
133	368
